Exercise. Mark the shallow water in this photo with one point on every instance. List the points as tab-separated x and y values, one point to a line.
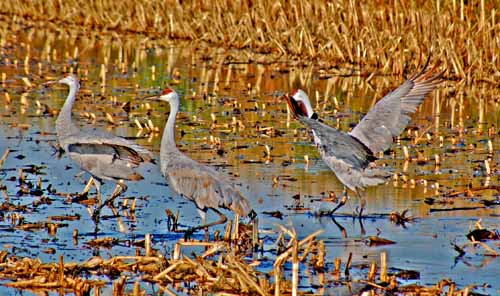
249	94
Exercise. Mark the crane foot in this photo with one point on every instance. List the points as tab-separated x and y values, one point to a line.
342	202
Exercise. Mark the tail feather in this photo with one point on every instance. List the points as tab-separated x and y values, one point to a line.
241	206
235	201
147	157
374	176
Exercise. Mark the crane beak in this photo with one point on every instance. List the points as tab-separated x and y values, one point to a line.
152	98
49	83
288	100
297	108
291	104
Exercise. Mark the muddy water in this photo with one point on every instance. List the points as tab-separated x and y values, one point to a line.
219	88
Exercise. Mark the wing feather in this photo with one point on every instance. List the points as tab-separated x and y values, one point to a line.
116	151
346	156
337	144
390	116
205	186
95	139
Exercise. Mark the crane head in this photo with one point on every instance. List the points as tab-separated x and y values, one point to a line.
70	80
168	95
299	104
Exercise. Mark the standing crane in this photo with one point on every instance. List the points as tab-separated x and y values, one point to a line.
196	182
103	155
351	155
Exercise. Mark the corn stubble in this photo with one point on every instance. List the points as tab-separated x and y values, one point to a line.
375	35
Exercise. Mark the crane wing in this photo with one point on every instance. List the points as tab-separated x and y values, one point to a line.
107	140
389	117
346	156
337	146
205	186
115	151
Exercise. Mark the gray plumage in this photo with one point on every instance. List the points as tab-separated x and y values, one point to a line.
346	156
103	155
194	181
390	116
350	155
201	184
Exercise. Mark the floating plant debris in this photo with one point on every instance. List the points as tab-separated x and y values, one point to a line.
377	241
401	218
275	214
483	234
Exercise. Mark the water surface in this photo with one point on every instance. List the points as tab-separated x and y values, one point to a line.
219	88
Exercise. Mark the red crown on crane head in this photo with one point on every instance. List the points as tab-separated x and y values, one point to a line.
166	91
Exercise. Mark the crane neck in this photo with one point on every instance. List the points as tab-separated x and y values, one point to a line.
168	139
63	122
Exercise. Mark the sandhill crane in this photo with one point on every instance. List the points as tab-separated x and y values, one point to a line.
351	155
194	181
103	155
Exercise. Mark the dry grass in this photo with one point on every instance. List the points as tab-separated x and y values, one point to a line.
383	35
220	269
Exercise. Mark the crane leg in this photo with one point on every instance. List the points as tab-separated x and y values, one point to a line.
222	220
119	189
87	187
362	204
97	185
342	202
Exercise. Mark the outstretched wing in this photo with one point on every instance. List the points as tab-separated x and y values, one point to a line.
389	117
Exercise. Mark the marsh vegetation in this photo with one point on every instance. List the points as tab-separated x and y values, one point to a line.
430	230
